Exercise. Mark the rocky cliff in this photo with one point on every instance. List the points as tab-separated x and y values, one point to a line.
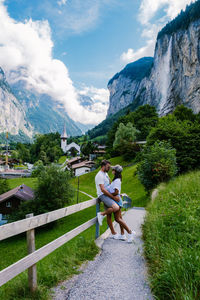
12	114
174	77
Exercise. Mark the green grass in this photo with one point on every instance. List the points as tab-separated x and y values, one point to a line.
14	182
62	159
172	239
20	166
59	265
130	184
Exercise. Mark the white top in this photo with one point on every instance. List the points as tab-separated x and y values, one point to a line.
101	178
116	184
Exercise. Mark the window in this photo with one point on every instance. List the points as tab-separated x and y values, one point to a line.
8	204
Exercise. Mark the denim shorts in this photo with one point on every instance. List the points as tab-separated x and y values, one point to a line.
108	202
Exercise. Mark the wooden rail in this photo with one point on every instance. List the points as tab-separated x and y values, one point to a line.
29	224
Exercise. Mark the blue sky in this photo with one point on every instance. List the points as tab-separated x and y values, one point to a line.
92	52
70	47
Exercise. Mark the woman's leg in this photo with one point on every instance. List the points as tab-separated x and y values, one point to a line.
119	220
110	224
114	208
121	227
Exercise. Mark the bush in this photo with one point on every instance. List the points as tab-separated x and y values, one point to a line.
158	164
184	136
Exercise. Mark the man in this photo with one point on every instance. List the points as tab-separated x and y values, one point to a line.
102	181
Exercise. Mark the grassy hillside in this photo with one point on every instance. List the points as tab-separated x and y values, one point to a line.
130	184
172	239
14	182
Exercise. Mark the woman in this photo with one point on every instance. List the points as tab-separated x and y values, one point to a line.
115	189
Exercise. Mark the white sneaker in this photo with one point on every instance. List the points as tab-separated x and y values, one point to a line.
131	236
100	218
115	236
123	237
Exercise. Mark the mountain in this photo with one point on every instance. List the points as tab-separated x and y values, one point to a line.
172	77
12	114
125	86
24	112
43	112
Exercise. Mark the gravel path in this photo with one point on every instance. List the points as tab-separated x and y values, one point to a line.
118	273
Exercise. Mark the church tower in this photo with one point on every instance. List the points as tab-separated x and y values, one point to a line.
64	139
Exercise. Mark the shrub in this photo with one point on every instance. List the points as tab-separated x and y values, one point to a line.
158	164
184	136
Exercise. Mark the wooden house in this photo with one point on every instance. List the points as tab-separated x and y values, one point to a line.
11	200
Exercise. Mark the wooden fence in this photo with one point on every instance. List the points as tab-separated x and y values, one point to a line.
28	225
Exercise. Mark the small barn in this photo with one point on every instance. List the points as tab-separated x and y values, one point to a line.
11	200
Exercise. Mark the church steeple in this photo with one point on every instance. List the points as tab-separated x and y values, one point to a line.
64	139
64	133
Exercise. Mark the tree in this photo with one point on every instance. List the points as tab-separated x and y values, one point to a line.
88	148
23	152
184	136
183	113
125	135
158	164
144	118
53	190
4	186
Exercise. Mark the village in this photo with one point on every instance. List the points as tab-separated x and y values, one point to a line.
75	163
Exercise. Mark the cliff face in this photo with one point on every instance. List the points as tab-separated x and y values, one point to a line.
174	78
126	85
12	114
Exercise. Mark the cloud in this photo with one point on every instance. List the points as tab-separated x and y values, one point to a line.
26	54
132	55
148	10
62	2
77	16
99	100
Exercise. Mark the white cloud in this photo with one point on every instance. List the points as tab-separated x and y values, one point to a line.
148	10
26	54
77	16
62	2
100	99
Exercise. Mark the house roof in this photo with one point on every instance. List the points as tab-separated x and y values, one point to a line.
83	164
73	160
22	192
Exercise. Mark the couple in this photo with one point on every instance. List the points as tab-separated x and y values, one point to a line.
109	193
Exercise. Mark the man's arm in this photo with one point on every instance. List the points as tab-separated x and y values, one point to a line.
107	193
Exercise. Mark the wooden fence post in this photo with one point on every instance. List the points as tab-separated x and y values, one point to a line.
97	223
32	271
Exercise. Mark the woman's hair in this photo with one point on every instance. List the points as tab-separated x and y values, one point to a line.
117	175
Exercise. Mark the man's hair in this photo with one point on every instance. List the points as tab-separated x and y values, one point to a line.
104	162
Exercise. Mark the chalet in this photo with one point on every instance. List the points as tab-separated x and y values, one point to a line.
11	200
82	168
74	160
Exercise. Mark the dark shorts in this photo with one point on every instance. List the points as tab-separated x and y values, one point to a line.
108	202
